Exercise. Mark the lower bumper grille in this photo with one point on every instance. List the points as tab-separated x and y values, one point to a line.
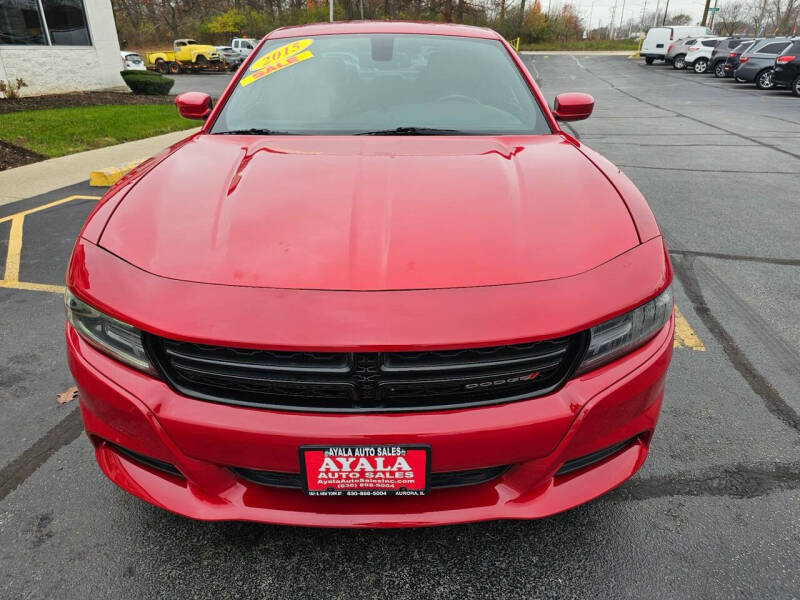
438	480
147	461
595	457
366	381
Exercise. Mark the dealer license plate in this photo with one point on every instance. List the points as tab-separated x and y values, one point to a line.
391	470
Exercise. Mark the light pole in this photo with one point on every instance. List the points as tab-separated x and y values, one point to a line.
330	6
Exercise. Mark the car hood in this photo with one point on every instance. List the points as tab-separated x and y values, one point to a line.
371	213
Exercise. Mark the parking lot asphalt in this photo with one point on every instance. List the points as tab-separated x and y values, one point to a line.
212	83
714	513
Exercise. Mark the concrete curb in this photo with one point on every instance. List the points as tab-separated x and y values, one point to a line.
42	177
111	175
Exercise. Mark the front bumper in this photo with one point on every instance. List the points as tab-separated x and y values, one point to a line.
129	409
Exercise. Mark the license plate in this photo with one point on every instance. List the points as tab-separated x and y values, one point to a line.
391	470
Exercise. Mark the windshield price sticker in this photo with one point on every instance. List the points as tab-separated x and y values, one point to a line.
278	59
365	470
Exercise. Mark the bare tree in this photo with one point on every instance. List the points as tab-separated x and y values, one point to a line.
782	15
681	19
731	18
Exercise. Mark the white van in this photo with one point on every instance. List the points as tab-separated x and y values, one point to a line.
658	39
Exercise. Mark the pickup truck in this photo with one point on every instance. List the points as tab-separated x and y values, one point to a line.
186	55
243	46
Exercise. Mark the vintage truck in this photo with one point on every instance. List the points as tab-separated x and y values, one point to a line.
186	55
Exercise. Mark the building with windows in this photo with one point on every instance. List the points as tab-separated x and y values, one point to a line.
60	45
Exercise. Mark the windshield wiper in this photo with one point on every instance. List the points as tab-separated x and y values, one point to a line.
253	131
413	131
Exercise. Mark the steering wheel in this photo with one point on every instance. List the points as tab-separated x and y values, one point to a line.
459	98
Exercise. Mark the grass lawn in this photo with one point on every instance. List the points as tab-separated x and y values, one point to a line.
583	45
60	131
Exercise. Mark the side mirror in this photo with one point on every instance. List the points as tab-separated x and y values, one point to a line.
573	106
193	105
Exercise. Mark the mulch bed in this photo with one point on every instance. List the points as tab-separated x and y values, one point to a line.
79	99
13	156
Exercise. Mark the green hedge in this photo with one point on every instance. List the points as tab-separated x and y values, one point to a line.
148	82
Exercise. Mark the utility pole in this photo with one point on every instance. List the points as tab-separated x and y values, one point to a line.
666	8
621	15
330	6
641	21
655	14
714	14
361	6
612	21
705	12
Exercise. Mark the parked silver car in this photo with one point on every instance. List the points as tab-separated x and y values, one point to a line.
676	53
232	58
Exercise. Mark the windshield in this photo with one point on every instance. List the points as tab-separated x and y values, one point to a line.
382	84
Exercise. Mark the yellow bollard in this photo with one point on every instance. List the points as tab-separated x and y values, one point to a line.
638	54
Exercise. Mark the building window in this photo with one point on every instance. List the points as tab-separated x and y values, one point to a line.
66	22
21	22
44	22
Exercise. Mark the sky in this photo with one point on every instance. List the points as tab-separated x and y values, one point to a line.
600	10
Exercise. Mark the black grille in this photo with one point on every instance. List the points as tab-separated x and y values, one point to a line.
438	480
148	461
366	381
595	457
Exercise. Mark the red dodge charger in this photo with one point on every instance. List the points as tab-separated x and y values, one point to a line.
380	287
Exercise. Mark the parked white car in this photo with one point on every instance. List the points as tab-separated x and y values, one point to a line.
132	62
699	53
658	39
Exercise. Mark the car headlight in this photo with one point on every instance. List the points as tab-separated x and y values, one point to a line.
115	338
625	333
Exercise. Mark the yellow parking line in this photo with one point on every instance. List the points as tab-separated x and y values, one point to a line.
685	337
46	206
14	253
32	287
14	250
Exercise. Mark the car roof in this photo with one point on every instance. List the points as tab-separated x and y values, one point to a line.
766	41
127	53
408	27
